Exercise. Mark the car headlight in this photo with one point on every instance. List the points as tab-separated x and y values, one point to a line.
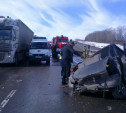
9	55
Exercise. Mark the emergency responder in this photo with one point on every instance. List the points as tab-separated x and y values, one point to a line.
61	64
88	50
67	59
84	52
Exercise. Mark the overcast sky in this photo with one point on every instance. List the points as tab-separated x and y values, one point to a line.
72	18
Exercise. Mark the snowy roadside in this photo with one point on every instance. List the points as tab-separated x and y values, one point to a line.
98	45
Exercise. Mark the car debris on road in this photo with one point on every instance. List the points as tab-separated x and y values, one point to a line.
103	71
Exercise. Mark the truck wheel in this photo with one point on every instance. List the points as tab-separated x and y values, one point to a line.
16	60
120	91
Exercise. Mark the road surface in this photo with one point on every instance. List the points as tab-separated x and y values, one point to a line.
37	89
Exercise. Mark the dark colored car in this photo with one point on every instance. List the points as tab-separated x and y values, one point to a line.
104	71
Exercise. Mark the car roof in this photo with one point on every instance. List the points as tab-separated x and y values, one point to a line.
39	40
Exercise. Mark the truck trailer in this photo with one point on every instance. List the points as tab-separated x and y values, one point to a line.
15	39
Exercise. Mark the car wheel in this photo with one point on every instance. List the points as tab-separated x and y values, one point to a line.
120	91
48	61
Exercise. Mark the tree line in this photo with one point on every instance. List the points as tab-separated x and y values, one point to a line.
110	35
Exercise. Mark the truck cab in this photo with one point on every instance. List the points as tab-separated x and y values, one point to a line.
15	38
57	44
39	50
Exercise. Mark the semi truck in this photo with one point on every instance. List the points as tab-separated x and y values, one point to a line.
57	43
15	39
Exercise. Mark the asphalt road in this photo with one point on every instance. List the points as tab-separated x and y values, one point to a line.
37	89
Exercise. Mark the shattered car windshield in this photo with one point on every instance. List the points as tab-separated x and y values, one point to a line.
39	45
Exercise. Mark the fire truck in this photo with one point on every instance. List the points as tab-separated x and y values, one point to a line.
57	43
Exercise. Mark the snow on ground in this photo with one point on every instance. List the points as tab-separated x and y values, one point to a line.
98	45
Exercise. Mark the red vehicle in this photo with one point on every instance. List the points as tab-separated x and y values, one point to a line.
57	43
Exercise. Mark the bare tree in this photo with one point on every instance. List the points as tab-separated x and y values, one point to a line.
108	36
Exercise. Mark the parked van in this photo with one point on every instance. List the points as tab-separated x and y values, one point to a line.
39	50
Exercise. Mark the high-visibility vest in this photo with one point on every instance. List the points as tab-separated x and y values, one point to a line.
60	57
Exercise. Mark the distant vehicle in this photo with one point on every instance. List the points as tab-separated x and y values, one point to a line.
39	50
57	43
104	71
15	39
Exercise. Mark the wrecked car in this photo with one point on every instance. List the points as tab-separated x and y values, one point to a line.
103	71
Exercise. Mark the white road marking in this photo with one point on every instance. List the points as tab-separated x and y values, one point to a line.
6	100
19	81
3	104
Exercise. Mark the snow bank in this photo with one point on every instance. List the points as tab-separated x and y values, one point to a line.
98	45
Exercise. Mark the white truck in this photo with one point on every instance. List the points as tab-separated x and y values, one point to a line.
39	50
15	39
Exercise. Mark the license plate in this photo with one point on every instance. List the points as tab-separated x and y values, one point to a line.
38	57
